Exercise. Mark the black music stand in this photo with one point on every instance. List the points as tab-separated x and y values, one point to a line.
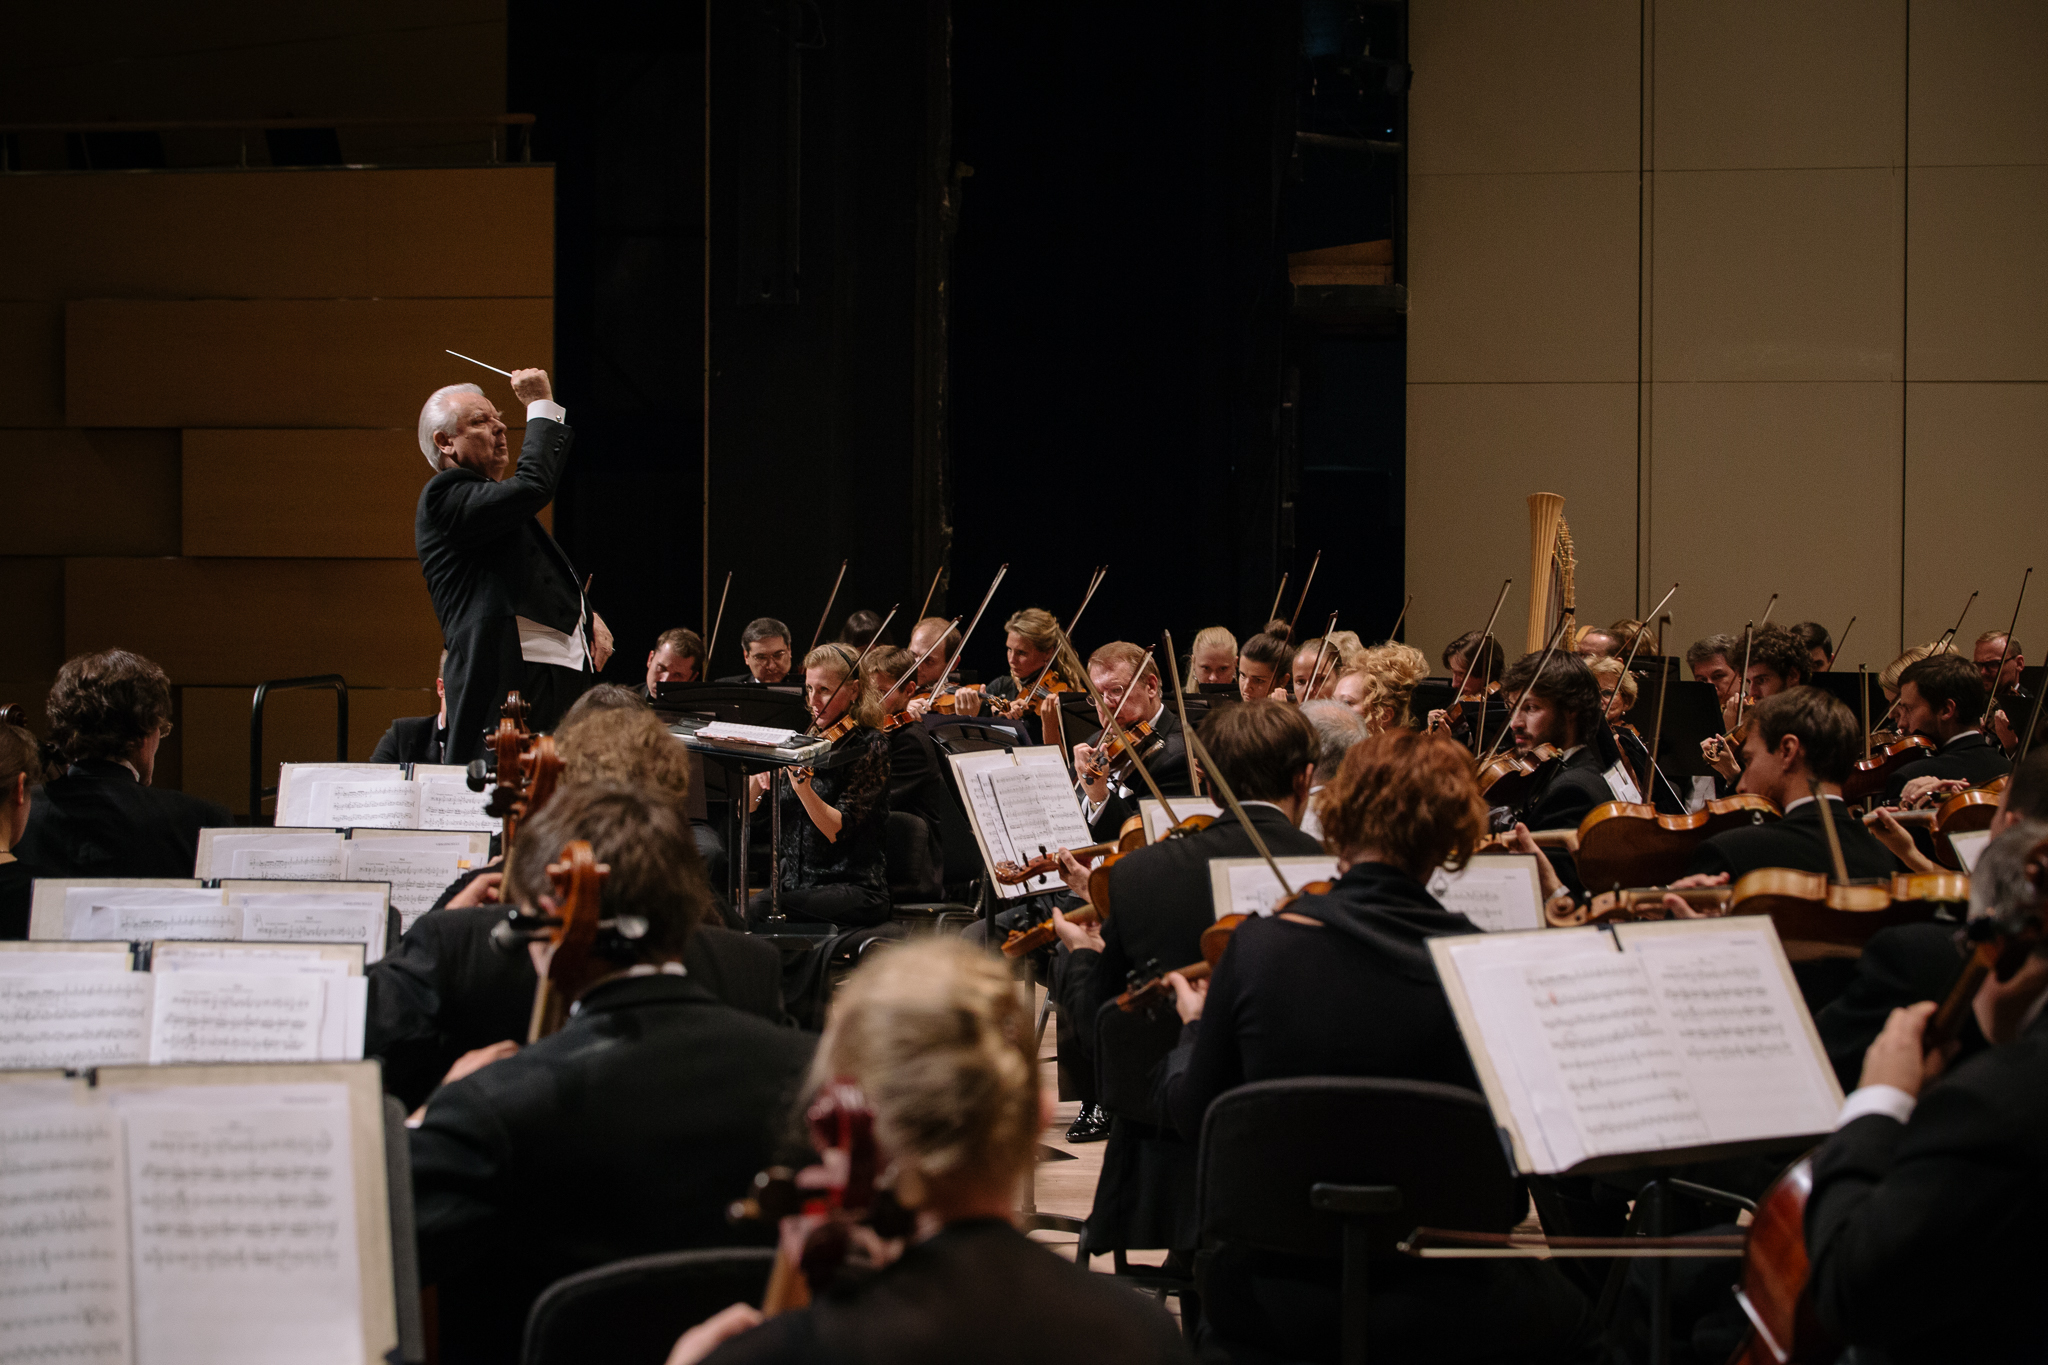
1692	713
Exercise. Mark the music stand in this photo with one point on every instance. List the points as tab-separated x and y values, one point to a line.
1692	713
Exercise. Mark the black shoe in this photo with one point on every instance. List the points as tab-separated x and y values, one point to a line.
1090	1125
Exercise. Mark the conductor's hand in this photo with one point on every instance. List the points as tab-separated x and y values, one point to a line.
1895	1058
601	642
530	386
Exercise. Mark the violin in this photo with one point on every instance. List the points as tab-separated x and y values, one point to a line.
1963	812
1623	843
831	734
1509	777
1111	753
528	769
1871	775
1815	915
816	1221
1455	712
587	947
1149	987
1775	1270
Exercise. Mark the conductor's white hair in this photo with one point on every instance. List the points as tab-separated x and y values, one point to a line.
440	415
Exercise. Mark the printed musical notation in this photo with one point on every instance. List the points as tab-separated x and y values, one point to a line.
419	870
237	1017
143	914
73	1019
63	1235
313	917
1624	1083
448	803
393	804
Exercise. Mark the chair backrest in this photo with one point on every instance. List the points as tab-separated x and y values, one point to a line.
1128	1049
631	1312
1265	1144
907	855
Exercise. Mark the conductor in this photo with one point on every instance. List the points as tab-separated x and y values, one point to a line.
512	616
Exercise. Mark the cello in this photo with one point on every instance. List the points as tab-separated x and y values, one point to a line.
583	946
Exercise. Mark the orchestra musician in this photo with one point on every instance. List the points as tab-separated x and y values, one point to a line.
1598	642
937	665
513	617
1714	661
1560	707
677	656
1341	984
1474	661
1263	663
938	1043
832	858
1161	903
1943	697
2001	664
418	739
1888	677
1339	729
632	1129
21	772
1213	659
1110	798
917	783
1030	640
1313	662
1820	647
764	647
1777	661
1935	1170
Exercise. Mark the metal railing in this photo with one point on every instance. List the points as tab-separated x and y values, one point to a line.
258	793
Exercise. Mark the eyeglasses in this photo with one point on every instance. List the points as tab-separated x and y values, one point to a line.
767	656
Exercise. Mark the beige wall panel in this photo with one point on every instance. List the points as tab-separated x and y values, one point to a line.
279	235
245	58
98	492
1746	84
1974	460
1522	278
1978	94
1977	285
305	494
298	727
1778	275
1532	85
1475	453
32	645
1785	488
239	621
31	364
333	363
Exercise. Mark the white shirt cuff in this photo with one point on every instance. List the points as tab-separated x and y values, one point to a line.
548	408
1888	1100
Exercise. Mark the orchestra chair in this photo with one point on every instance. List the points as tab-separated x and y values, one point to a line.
916	891
631	1312
1129	1047
1342	1168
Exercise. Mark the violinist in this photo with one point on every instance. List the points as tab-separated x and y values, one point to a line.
1888	678
1398	668
861	627
917	783
1598	642
677	656
1713	661
1944	698
1475	663
1360	693
1339	982
1213	659
1161	904
1110	797
936	667
564	1155
1820	647
938	1043
1619	689
833	819
1931	1178
1030	641
1339	729
1317	662
2000	664
1777	661
1263	663
764	644
1560	711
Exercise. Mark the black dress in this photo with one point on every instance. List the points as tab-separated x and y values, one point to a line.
1356	996
842	881
17	884
978	1291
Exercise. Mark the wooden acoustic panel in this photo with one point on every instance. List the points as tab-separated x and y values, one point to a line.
357	234
107	491
31	363
305	494
298	727
32	645
288	363
235	622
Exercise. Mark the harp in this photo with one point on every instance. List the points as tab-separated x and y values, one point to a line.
1551	564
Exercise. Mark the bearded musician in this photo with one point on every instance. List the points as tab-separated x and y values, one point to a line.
1559	707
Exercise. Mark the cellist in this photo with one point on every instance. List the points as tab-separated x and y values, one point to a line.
1931	1181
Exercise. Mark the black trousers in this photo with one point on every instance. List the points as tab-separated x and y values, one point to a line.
846	905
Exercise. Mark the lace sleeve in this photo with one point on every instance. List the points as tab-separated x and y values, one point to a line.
867	781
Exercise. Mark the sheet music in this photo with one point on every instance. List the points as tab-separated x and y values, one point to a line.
295	854
64	1233
73	1019
393	802
1038	812
313	917
236	957
139	914
19	963
295	783
245	1239
226	1016
1500	893
419	870
448	803
1675	1041
1248	887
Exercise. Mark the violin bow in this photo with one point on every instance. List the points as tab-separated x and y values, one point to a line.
711	641
918	662
1095	696
929	593
2033	724
1278	593
817	634
1953	630
953	662
1863	688
1067	639
1485	677
1657	731
853	675
1180	702
1548	650
1827	824
1322	651
2005	649
1399	619
1302	600
1742	683
1769	607
1230	799
1836	651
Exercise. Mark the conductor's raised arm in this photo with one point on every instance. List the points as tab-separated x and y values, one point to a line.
470	435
